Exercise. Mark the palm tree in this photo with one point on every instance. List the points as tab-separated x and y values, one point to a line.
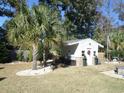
48	22
26	30
117	41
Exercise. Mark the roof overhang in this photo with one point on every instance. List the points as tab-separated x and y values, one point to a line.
73	42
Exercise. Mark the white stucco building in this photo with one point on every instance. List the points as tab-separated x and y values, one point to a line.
74	49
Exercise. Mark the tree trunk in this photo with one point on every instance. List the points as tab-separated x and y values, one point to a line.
34	65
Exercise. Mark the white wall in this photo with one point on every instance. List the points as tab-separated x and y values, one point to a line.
76	50
87	47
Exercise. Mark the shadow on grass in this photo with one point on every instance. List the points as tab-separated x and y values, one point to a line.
2	78
1	67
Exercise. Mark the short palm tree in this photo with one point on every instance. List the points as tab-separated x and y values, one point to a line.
117	42
48	22
27	30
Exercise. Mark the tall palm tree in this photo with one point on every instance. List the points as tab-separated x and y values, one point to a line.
26	30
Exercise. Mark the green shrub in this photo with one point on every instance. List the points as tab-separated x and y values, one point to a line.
115	53
30	58
19	56
24	55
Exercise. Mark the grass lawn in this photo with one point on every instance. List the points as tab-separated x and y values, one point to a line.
62	80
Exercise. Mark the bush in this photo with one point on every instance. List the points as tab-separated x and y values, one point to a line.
19	56
24	55
115	53
30	58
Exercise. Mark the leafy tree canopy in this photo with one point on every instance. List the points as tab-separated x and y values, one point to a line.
81	13
119	9
11	7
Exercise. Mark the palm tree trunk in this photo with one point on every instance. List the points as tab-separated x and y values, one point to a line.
44	58
34	65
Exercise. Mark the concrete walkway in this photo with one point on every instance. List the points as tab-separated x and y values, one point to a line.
112	74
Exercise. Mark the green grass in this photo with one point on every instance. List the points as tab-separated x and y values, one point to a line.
62	80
